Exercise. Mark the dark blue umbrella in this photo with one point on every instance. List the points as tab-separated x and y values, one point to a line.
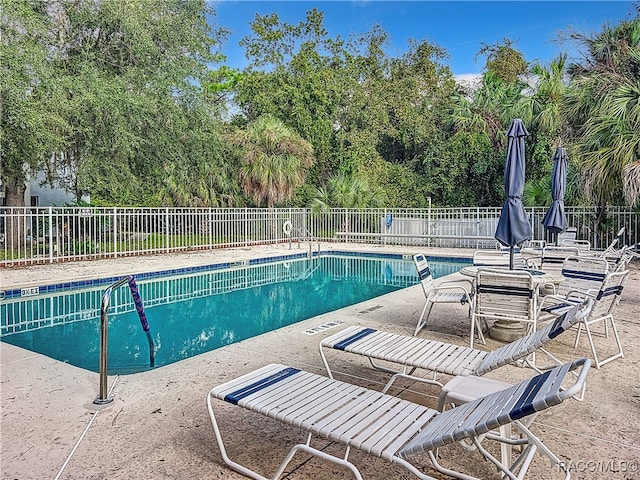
513	225
555	219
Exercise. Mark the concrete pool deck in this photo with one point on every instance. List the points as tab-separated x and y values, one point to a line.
157	427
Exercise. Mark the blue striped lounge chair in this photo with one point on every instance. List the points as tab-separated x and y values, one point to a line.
404	355
396	430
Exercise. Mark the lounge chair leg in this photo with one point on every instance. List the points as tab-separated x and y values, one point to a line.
303	447
410	376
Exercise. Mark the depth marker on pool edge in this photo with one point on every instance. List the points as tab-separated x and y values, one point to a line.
323	327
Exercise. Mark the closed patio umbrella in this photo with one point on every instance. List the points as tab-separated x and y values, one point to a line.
513	225
555	220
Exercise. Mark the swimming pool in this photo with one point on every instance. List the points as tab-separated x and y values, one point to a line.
193	313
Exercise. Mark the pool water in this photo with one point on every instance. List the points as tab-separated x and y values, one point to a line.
193	314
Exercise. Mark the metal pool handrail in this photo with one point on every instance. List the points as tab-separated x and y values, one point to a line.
104	322
301	232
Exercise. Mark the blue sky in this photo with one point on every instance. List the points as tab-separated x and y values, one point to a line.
459	27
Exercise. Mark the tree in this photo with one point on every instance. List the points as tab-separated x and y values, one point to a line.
470	163
204	174
504	61
490	109
356	105
347	191
603	107
300	75
125	74
548	128
274	161
33	125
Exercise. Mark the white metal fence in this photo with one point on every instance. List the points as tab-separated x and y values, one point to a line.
54	234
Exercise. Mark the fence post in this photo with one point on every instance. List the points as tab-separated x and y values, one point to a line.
246	226
166	233
115	232
50	234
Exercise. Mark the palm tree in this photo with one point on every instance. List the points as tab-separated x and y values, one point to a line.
203	185
549	94
491	109
537	192
603	106
275	160
347	191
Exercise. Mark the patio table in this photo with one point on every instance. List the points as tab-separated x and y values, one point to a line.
540	277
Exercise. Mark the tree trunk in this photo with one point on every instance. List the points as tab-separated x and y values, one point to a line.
14	228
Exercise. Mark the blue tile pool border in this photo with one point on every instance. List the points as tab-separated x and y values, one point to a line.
97	282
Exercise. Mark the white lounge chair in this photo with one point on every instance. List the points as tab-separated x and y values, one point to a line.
408	354
570	233
606	300
445	292
616	240
391	428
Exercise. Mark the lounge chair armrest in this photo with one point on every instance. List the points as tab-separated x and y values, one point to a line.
577	387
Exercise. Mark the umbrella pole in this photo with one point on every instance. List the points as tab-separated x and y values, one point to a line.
511	249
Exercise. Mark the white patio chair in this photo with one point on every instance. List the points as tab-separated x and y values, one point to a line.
583	276
582	245
506	296
604	301
571	233
615	242
390	428
444	292
497	258
552	258
602	313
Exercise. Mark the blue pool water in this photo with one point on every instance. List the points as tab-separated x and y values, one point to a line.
195	313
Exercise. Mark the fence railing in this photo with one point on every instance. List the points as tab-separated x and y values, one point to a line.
55	234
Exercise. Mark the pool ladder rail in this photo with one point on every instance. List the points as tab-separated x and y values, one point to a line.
300	233
104	322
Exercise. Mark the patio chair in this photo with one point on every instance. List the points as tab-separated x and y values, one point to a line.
571	233
582	245
497	258
612	254
583	276
410	354
604	301
619	259
505	296
390	428
552	258
445	292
